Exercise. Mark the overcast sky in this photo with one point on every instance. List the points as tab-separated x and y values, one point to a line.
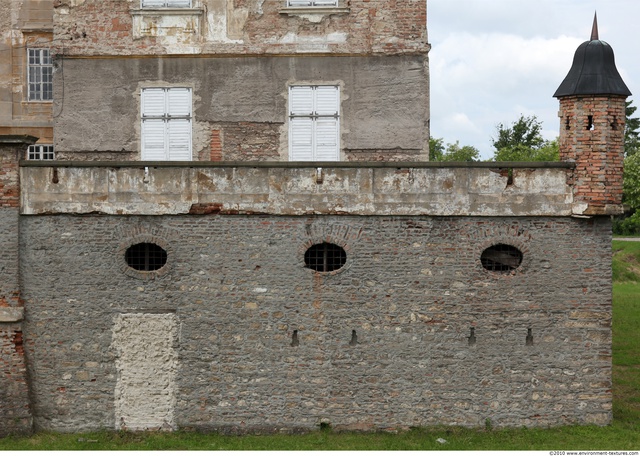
492	60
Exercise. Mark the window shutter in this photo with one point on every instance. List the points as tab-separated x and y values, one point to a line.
301	100
179	102
153	139
179	134
327	101
301	138
152	3
326	138
299	3
179	3
153	102
325	2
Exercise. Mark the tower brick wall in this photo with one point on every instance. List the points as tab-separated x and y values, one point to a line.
592	136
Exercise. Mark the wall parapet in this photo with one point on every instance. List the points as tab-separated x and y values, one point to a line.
295	188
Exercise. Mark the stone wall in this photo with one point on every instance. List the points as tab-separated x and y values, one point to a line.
250	27
243	102
236	287
15	412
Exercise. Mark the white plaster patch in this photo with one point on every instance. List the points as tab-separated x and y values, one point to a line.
146	362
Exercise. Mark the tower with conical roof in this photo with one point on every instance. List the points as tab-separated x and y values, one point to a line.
592	118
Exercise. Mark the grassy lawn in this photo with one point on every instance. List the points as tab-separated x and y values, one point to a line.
623	434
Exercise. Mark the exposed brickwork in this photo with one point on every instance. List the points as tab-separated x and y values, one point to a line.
9	181
14	398
216	145
597	149
98	156
249	141
99	27
412	288
15	412
382	155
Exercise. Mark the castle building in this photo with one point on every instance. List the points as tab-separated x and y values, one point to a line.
241	232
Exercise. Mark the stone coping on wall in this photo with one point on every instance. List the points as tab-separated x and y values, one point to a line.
286	188
292	164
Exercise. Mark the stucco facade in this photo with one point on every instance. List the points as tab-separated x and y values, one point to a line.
24	25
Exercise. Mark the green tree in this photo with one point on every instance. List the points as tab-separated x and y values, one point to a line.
523	141
549	151
438	152
630	224
631	131
457	153
436	149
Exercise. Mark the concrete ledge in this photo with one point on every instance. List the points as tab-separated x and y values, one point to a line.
285	188
11	314
289	164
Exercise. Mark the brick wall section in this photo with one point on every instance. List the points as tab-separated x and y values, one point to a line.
249	141
104	27
15	413
375	155
216	145
9	182
598	152
412	288
14	391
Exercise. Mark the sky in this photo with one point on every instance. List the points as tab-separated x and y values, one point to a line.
493	60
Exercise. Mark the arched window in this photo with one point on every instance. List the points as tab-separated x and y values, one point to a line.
146	257
501	258
325	257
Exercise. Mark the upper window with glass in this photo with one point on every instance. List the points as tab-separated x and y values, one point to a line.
165	3
40	75
310	3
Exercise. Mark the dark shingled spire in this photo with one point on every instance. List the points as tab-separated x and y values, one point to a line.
594	29
593	71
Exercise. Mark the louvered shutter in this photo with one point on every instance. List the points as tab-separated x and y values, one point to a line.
326	101
179	129
153	139
301	139
179	3
299	3
325	3
153	125
153	102
326	139
179	102
152	3
301	101
166	124
179	137
327	126
314	123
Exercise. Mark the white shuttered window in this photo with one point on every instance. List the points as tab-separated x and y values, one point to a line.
165	3
166	123
304	3
314	123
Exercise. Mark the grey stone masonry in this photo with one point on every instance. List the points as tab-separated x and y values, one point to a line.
224	308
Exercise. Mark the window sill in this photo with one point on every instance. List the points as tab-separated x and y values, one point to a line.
313	11
167	12
166	21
